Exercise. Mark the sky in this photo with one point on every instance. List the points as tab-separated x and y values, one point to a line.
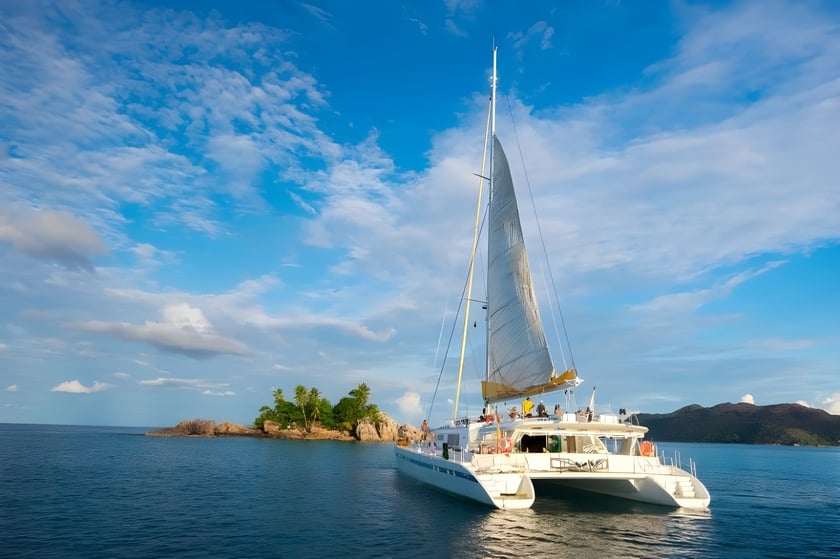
201	202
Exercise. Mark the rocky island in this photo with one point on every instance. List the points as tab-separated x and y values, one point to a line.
384	430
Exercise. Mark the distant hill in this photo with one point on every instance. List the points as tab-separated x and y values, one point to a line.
786	424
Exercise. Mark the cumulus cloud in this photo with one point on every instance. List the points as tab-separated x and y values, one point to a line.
349	327
12	388
56	236
409	405
747	399
832	404
217	393
200	385
76	387
184	330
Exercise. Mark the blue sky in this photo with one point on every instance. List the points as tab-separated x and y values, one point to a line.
201	202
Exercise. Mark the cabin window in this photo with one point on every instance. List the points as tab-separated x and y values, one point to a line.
534	443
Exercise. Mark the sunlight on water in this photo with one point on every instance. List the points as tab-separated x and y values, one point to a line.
73	492
581	526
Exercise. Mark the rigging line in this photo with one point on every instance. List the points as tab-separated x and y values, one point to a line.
465	299
542	239
442	325
448	345
488	138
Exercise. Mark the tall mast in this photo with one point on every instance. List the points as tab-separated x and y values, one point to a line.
491	119
493	80
493	106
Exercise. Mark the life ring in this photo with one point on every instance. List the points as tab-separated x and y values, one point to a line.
646	448
507	445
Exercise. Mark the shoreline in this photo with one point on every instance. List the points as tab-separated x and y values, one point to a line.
385	431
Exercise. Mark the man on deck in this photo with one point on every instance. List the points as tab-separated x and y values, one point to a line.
527	404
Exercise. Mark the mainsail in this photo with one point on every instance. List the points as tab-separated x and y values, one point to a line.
518	360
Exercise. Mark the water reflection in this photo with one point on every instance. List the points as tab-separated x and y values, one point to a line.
583	526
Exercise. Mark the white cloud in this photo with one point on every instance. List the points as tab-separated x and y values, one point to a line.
777	344
121	375
541	31
747	399
12	388
422	26
150	256
185	330
409	405
217	393
187	318
691	301
831	404
52	235
203	386
320	14
76	387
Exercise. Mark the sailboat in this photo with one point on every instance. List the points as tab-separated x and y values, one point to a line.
508	459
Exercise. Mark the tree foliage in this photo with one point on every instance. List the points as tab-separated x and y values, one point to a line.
309	408
352	409
284	413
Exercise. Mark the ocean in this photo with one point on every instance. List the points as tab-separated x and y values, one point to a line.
111	492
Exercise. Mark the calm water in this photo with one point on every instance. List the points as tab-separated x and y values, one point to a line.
111	492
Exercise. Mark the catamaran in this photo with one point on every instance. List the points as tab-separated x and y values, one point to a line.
507	459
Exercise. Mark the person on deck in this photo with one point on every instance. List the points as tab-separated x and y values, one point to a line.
527	405
541	410
558	410
425	429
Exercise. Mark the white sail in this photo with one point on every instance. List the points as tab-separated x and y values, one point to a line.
518	358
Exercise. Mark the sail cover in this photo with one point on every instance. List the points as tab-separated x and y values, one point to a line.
518	358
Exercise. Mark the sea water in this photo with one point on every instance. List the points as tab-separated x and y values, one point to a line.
112	492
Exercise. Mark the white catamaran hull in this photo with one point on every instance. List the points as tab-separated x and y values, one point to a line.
674	489
625	472
500	489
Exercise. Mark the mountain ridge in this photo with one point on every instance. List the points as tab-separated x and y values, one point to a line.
785	424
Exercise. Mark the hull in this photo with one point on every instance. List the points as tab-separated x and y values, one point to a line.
598	455
667	490
500	489
642	479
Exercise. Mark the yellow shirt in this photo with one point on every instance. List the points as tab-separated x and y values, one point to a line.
526	406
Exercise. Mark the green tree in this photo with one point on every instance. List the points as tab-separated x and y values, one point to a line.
351	410
302	399
312	400
309	406
284	413
325	413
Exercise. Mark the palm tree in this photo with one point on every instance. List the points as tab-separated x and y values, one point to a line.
361	394
314	398
301	401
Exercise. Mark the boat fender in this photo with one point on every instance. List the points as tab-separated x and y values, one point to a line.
646	448
507	445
